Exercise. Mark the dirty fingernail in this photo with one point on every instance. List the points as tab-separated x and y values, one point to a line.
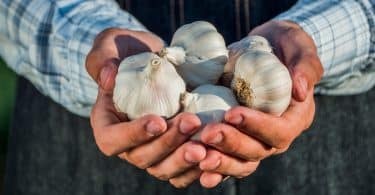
153	128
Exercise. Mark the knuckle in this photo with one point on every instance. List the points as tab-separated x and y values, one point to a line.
158	174
249	169
178	184
167	142
105	33
139	161
106	149
255	157
282	144
235	147
284	141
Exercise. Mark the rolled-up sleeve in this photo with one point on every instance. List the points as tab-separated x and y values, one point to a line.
47	41
344	33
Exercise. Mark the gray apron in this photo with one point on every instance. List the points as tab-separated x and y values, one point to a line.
52	151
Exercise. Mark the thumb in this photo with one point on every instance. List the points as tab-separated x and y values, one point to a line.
305	74
107	77
103	112
300	87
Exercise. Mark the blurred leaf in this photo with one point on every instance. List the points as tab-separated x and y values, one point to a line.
7	97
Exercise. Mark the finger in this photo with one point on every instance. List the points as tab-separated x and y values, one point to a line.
103	112
274	131
305	74
182	159
229	140
179	130
187	178
223	164
210	179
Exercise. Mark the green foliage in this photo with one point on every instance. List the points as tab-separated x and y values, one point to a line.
7	97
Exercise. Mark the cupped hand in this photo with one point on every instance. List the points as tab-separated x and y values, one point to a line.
248	136
152	143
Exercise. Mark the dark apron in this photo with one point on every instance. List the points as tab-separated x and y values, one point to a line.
52	151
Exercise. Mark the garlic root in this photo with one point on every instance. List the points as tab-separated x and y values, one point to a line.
262	82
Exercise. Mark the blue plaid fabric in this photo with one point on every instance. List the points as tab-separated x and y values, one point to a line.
46	41
344	33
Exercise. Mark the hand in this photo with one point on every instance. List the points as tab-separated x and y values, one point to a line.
150	142
250	135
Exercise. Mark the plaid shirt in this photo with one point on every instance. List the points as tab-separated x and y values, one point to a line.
47	41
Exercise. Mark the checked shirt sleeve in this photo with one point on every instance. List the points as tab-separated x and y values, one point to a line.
344	33
47	41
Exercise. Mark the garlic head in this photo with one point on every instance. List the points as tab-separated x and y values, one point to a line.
262	82
147	84
236	49
209	102
199	53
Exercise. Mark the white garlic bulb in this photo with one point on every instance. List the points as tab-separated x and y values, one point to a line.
248	43
199	53
209	102
147	84
262	82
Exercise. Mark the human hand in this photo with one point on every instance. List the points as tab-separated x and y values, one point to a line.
149	142
250	135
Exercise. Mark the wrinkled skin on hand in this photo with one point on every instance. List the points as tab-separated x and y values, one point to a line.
248	136
159	146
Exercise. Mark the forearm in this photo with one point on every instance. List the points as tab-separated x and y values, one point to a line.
47	42
342	32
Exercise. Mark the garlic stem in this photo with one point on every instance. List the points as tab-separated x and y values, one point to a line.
175	55
152	68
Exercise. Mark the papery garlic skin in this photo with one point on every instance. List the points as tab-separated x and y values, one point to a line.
209	102
147	84
262	82
236	49
204	56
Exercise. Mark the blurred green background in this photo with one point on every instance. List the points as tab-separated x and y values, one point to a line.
7	97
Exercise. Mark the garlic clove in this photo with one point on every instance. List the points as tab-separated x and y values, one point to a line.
209	102
240	47
262	82
204	56
147	84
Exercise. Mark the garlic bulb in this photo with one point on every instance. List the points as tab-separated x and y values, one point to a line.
262	82
147	84
199	53
209	102
248	43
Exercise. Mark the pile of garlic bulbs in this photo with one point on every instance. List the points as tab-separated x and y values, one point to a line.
197	57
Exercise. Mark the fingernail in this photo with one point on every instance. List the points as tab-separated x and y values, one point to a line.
226	178
189	158
104	75
217	164
211	163
217	139
187	127
303	85
236	120
153	129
